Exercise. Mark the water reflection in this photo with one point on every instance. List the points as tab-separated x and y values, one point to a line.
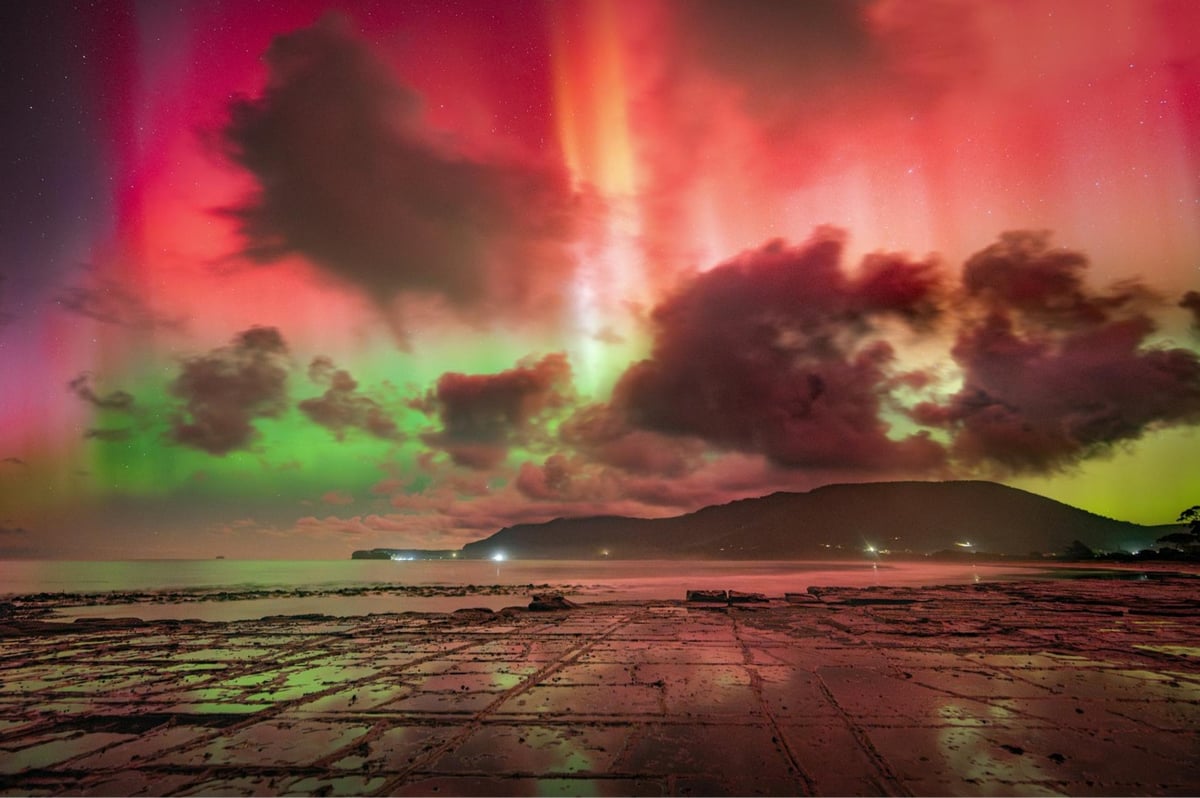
225	590
644	576
249	609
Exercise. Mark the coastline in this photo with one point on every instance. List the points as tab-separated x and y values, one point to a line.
409	589
1078	686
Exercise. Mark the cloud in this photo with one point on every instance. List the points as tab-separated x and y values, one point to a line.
1054	372
603	435
225	390
108	301
580	478
341	407
482	415
17	461
1191	302
337	497
1024	275
772	353
15	541
446	514
550	480
568	485
321	370
347	177
117	400
778	352
761	43
822	59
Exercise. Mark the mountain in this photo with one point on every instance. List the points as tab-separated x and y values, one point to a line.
835	520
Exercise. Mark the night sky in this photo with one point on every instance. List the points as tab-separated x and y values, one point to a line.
291	279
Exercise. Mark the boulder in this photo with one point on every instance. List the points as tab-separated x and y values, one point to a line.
545	602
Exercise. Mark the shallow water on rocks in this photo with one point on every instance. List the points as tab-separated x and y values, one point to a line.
225	590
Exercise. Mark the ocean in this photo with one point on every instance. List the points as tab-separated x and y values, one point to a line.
225	590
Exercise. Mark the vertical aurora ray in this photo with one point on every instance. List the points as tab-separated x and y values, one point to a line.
592	113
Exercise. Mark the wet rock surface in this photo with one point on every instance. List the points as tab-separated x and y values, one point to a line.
37	605
1083	687
548	602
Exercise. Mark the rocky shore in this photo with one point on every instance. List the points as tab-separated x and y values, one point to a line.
1081	687
39	605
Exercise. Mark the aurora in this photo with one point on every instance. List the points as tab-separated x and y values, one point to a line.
295	278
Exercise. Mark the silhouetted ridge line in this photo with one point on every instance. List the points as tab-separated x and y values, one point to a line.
899	518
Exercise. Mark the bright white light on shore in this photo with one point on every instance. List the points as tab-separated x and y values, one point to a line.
966	544
499	557
870	549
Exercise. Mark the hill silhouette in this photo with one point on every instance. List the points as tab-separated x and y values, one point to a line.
836	520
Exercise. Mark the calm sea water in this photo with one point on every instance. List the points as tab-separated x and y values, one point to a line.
593	580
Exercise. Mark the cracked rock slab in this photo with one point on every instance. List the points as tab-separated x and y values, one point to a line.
1079	687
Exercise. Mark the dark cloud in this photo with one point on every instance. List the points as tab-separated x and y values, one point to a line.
225	390
763	42
482	415
109	302
605	436
321	370
1054	372
117	400
822	57
347	178
551	480
342	407
13	461
1191	302
16	541
108	435
771	353
1024	275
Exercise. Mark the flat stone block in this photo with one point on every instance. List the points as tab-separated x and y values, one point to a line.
146	748
834	760
588	700
1070	688
721	759
394	750
871	694
452	703
519	786
51	752
521	749
270	743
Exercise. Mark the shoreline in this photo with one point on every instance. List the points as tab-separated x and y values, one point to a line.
1078	686
373	598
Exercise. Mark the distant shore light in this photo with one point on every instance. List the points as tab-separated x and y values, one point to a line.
499	557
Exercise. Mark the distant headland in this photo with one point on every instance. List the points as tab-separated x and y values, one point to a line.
406	554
